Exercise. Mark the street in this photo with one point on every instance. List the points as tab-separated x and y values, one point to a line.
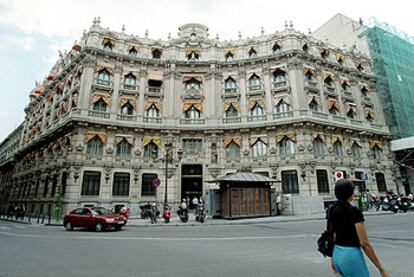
263	249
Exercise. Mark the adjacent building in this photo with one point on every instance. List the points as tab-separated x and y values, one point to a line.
285	105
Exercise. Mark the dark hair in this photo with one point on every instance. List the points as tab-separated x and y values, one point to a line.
344	189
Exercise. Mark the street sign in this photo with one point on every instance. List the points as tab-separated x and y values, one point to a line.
156	182
339	175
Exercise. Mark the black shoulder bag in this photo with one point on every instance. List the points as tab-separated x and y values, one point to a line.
326	240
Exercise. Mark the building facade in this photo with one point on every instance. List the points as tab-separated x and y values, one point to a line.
284	105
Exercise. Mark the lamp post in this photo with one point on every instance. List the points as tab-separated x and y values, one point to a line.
167	158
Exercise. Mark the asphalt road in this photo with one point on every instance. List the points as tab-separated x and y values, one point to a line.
271	249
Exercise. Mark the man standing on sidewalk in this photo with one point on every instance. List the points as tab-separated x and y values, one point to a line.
278	203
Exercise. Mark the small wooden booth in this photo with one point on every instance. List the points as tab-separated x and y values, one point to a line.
245	194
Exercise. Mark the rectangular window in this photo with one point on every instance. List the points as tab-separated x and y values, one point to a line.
322	179
36	188
91	183
290	181
121	184
46	187
54	184
361	184
147	188
192	145
64	180
379	177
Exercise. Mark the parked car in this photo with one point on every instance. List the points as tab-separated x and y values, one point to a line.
97	218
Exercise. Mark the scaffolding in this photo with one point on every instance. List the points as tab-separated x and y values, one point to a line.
392	54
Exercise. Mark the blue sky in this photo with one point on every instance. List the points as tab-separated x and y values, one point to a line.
32	32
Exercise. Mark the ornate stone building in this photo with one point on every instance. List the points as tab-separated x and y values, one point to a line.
285	105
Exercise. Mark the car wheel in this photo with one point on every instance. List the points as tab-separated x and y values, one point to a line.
98	227
68	226
118	228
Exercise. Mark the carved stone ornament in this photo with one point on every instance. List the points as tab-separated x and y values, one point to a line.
214	171
310	148
330	149
109	150
301	148
79	147
246	152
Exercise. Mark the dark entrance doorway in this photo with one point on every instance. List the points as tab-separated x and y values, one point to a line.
191	181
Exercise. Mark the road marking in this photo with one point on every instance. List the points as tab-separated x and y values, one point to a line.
159	239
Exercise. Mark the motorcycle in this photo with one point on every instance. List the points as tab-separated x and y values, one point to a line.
183	214
390	203
166	213
153	213
404	203
146	211
200	214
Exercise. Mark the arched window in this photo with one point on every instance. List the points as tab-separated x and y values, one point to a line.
252	53
229	57
279	76
318	146
123	148
356	150
338	150
254	82
309	76
351	113
276	48
333	110
364	91
305	48
345	86
156	54
282	107
99	105
132	53
360	67
313	105
149	149
324	53
153	112
232	151
192	84
259	148
107	47
193	56
229	83
130	80
376	152
328	82
127	109
104	77
192	113
94	146
257	110
232	112
286	146
369	117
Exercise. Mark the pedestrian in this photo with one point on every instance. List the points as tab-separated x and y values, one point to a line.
350	236
195	204
278	203
22	212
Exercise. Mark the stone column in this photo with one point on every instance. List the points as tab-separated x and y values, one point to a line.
115	93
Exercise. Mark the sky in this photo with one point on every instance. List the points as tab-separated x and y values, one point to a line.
33	31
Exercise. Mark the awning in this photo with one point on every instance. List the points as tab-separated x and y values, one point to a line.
197	77
374	143
228	139
253	102
119	138
155	140
127	99
336	138
312	71
100	135
339	57
333	103
317	135
357	142
235	105
133	73
324	50
364	87
345	81
369	112
291	136
284	98
100	95
245	177
314	98
99	68
250	75
278	68
196	51
133	47
108	39
155	102
254	139
327	74
155	75
196	103
231	51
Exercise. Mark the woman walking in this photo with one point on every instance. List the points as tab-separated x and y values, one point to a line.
350	236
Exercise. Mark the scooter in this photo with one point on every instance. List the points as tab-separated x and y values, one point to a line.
404	203
183	214
200	214
166	213
146	211
390	204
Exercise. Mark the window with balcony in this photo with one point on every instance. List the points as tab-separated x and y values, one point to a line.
254	82
120	186
104	78
232	112
130	81
192	113
91	183
149	148
364	91
305	48
229	84
333	110
318	146
290	182
369	117
276	48
259	149
153	112
309	76
127	109
286	146
147	189
100	105
376	152
132	53
192	145
324	53
123	148
313	105
192	84
329	83
356	150
232	151
282	107
351	112
256	110
252	53
154	85
322	180
279	76
345	86
94	146
193	56
229	57
338	149
156	54
107	47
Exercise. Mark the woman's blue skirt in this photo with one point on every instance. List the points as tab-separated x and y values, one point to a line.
349	261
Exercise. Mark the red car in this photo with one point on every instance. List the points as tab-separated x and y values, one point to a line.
98	218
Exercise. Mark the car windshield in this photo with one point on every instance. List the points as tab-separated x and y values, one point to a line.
100	211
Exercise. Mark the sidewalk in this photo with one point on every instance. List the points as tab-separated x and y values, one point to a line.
135	221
